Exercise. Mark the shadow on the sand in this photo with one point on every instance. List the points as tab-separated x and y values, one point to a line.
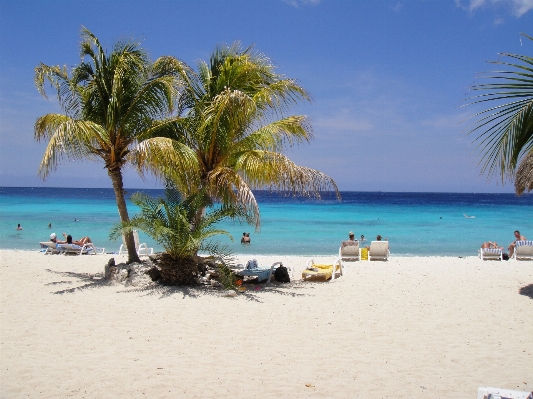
251	294
90	281
165	291
527	291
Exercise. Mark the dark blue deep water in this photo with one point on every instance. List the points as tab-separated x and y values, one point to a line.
420	224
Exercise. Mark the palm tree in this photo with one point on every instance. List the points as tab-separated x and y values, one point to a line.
507	137
167	221
233	117
114	108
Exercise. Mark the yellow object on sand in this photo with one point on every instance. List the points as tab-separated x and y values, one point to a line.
322	272
364	254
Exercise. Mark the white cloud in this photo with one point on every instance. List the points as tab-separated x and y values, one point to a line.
516	7
397	7
303	3
520	7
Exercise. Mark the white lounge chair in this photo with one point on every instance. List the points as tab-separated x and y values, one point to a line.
49	246
142	249
379	250
490	253
349	253
523	250
74	249
498	393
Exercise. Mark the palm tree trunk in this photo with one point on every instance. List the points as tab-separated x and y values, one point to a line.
116	177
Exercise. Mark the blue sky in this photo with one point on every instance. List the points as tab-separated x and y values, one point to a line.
388	78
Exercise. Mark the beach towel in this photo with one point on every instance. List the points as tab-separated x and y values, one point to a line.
319	272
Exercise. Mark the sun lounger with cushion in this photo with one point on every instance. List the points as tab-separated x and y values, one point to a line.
321	272
491	253
350	252
49	246
379	250
499	393
74	249
523	250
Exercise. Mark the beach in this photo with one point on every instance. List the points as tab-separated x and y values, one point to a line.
411	327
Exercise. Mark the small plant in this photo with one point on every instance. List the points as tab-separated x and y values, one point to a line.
178	226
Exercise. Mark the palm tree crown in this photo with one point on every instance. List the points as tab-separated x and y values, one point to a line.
234	118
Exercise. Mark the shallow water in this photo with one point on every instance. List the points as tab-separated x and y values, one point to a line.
420	224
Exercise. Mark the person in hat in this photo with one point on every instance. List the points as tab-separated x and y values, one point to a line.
350	241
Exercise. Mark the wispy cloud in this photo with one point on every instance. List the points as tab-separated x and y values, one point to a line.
302	3
516	7
397	7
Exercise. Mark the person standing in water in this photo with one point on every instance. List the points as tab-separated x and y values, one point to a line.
18	227
245	238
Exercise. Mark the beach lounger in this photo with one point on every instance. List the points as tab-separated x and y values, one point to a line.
74	249
490	253
321	272
499	393
523	250
379	250
142	249
50	247
349	253
262	273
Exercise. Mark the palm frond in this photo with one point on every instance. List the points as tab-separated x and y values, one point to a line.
167	158
507	128
67	138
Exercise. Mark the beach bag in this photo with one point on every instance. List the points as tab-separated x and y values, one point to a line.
364	254
282	275
505	256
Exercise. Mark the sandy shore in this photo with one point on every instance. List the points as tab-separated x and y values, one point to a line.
428	327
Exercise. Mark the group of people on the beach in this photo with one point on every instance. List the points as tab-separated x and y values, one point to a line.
351	240
511	247
68	240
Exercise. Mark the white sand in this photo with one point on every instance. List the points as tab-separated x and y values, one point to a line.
427	327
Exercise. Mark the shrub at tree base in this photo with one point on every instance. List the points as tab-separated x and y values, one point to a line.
177	271
191	270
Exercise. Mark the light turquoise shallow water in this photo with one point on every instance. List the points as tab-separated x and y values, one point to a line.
420	224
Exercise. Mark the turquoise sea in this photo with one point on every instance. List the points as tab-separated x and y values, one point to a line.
416	224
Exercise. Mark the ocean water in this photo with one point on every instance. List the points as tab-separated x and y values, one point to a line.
416	224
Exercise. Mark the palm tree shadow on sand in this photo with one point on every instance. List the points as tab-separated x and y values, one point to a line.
527	291
91	281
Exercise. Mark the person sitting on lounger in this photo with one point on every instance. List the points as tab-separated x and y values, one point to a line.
490	244
350	241
378	238
81	242
512	245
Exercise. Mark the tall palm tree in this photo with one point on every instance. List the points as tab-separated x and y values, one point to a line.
507	137
114	108
233	116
